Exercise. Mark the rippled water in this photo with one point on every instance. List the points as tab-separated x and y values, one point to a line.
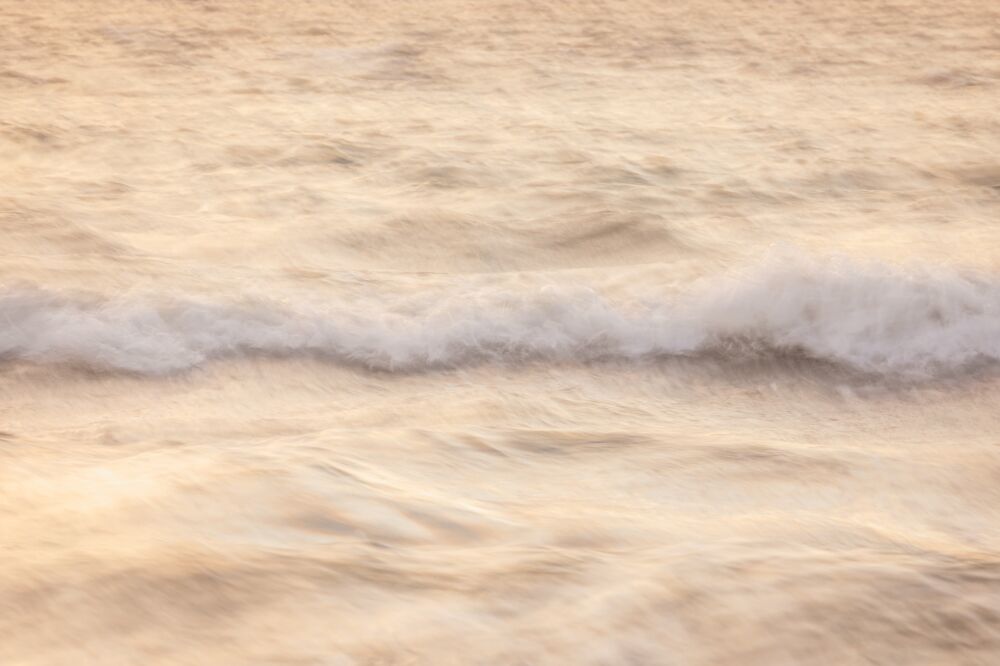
594	333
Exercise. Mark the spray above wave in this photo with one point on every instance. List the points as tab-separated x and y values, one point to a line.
868	317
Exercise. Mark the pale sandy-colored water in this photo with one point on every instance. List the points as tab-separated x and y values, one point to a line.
522	333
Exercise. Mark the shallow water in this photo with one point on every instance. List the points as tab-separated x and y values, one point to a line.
499	333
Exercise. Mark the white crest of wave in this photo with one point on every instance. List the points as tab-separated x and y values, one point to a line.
866	316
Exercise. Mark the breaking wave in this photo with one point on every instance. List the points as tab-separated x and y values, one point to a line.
872	318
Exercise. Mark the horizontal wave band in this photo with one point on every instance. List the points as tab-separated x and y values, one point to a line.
871	318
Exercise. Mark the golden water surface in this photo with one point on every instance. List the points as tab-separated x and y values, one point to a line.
542	332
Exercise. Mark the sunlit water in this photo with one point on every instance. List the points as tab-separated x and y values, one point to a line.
528	333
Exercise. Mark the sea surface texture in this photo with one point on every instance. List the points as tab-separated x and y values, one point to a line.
513	333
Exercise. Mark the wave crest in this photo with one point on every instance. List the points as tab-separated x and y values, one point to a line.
872	318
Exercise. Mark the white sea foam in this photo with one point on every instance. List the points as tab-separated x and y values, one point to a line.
868	317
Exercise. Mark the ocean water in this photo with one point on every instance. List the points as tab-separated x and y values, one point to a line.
517	333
